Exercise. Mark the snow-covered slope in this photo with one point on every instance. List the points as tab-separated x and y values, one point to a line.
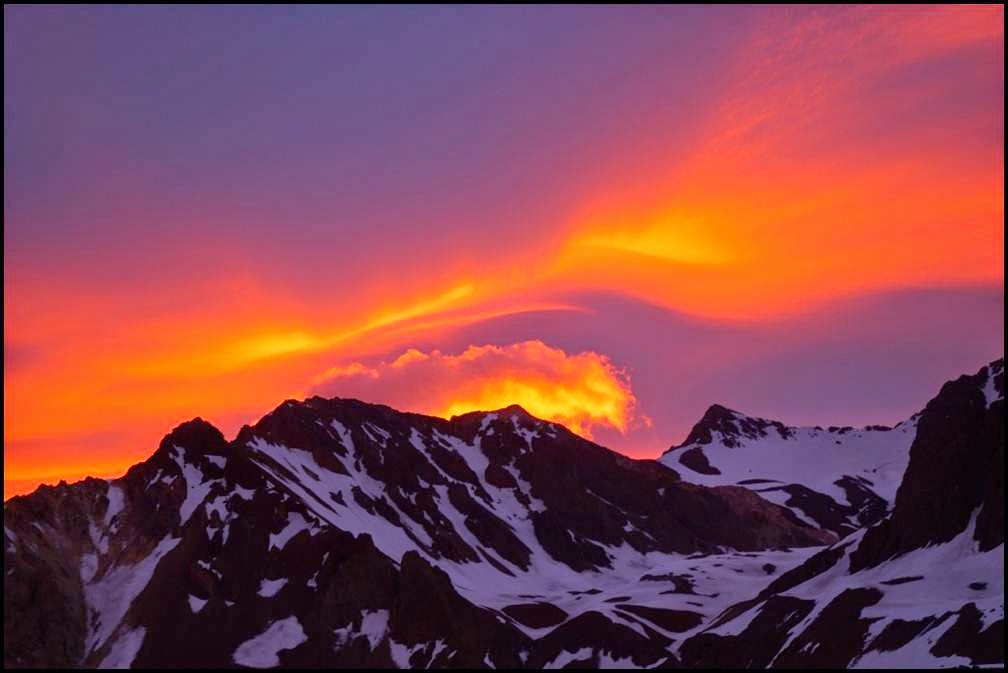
924	587
836	478
936	607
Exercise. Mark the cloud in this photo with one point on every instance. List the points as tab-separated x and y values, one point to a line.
847	150
582	391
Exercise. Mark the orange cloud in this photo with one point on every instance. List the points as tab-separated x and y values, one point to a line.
100	403
831	163
847	150
582	391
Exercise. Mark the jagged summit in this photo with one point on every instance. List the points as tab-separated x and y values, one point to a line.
196	434
352	408
512	410
716	418
731	427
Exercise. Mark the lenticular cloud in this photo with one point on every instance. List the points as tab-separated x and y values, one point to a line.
582	391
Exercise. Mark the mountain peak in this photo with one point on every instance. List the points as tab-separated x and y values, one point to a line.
515	410
504	412
720	410
717	418
197	435
732	426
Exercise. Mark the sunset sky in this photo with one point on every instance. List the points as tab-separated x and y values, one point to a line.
613	216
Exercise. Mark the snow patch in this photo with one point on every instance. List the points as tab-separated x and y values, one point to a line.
262	650
486	421
89	566
374	624
991	395
401	653
269	588
196	489
344	435
565	657
109	598
295	524
523	432
196	604
116	500
124	650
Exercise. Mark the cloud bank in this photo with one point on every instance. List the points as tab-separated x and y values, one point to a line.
582	391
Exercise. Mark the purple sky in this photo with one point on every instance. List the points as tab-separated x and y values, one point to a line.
796	212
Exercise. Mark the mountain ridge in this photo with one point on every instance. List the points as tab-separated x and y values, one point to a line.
485	496
330	530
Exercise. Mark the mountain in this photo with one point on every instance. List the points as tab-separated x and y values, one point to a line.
339	533
839	479
923	587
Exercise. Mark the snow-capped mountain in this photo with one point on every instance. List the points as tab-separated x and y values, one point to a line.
324	532
339	533
838	479
924	587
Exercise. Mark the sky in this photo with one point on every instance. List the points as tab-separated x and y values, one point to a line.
613	216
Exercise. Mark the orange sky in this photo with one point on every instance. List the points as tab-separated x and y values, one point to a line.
832	153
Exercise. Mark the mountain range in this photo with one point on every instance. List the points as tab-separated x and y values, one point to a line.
336	533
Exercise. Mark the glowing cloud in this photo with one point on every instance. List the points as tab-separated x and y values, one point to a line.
831	162
582	391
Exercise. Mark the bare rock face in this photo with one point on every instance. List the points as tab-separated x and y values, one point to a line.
537	615
835	636
44	615
956	473
756	646
335	533
580	642
695	460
